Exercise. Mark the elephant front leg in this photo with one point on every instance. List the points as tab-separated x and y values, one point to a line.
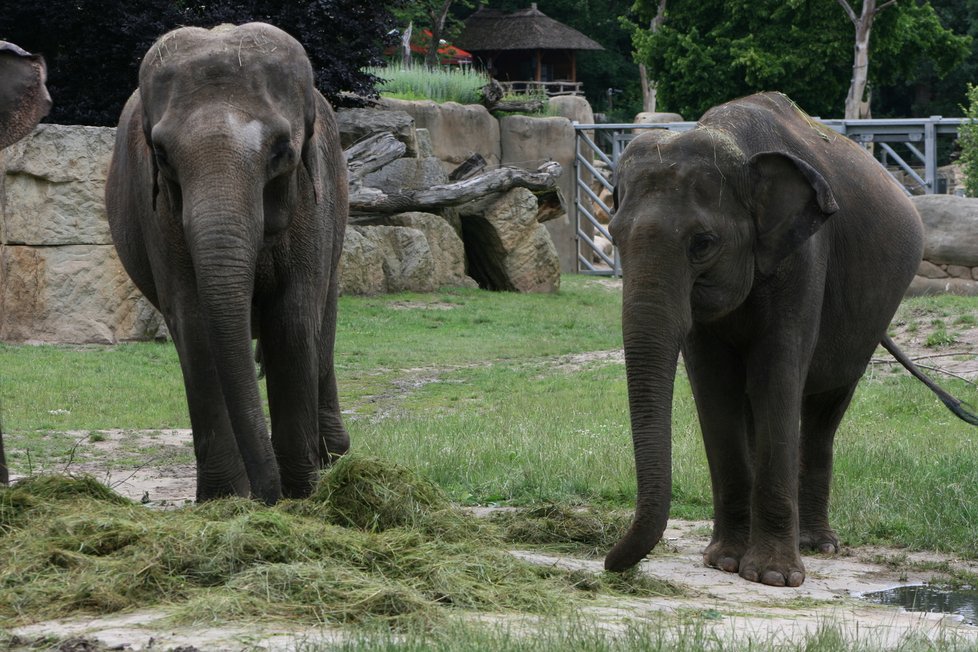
220	469
772	555
289	355
717	378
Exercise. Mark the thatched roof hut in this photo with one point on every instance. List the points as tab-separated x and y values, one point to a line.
524	46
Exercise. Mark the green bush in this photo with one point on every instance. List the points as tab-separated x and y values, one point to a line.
968	137
421	83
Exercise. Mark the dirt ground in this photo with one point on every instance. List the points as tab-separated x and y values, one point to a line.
731	608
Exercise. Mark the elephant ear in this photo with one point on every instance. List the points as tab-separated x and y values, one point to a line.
311	152
791	201
24	99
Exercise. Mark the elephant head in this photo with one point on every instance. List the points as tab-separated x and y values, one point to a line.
228	117
24	99
697	222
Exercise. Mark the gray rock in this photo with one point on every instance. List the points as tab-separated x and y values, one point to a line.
930	270
645	118
507	248
528	142
53	187
950	228
355	124
71	294
921	286
407	174
457	131
573	107
447	248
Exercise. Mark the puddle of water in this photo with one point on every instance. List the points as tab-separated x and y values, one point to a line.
931	599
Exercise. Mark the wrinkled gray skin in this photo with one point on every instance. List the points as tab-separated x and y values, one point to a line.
227	202
24	101
772	253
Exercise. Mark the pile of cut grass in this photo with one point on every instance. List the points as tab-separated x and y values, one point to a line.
375	544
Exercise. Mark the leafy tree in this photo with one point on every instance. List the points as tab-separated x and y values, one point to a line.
711	51
435	16
968	137
93	47
924	92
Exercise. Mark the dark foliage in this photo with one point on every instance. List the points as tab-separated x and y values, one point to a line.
93	47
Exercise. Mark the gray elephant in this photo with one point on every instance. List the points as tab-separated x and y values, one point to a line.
227	202
24	98
772	252
24	101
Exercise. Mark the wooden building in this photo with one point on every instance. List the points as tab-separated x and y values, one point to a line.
526	50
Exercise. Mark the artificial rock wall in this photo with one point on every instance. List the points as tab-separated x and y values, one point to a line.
61	281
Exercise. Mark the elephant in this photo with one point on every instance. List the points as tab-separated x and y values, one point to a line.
227	204
24	101
772	253
24	97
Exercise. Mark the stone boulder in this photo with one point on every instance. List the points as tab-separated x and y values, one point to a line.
528	142
457	131
647	118
573	107
950	228
60	278
356	124
414	252
950	262
507	248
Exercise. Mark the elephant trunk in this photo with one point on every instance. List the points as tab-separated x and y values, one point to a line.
224	231
653	327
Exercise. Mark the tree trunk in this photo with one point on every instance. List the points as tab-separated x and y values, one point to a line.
437	17
858	99
406	45
649	85
373	200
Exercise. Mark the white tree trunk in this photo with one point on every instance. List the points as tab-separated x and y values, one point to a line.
649	85
858	99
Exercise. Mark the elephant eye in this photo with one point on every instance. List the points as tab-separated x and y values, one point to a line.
702	246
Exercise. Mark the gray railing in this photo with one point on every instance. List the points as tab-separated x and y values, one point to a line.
910	145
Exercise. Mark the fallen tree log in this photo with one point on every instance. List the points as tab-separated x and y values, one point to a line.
373	200
372	153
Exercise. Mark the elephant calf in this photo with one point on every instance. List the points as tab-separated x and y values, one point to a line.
227	203
772	252
24	101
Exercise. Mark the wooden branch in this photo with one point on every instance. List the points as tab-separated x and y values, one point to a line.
849	11
373	200
372	153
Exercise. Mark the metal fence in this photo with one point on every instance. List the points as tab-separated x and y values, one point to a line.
909	146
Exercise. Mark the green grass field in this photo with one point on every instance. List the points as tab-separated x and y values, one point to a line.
510	399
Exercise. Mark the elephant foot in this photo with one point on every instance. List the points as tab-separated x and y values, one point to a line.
773	569
724	555
823	540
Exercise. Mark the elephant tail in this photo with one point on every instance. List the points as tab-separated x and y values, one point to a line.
962	410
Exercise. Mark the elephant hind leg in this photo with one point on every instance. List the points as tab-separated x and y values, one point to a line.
334	441
820	418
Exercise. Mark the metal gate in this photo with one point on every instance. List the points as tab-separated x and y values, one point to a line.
900	145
